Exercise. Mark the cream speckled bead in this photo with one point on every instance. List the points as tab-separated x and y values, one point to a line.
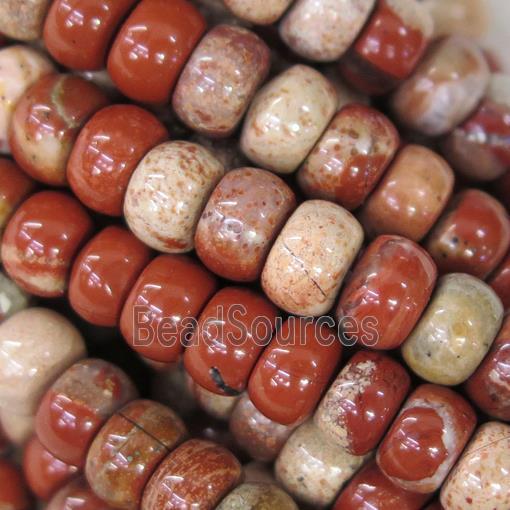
259	12
23	19
167	193
310	257
287	117
323	30
456	330
36	346
257	496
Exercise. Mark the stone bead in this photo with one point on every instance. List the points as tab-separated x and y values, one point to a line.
23	19
500	281
36	346
350	158
411	195
309	259
163	305
259	12
106	153
127	450
286	118
152	47
13	492
323	30
386	293
480	478
257	496
362	402
78	404
195	475
455	331
41	240
218	406
426	438
18	428
243	216
472	236
20	67
76	495
220	79
167	193
445	88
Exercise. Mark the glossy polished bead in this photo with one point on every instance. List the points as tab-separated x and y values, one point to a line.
195	475
386	293
152	47
220	79
167	193
426	438
323	30
13	491
480	479
242	218
500	281
41	240
456	330
78	404
77	33
257	496
159	312
106	153
23	19
293	371
259	12
350	158
310	257
472	236
411	195
76	495
445	88
218	406
127	450
286	118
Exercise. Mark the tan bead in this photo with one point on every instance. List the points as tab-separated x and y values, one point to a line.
259	12
23	19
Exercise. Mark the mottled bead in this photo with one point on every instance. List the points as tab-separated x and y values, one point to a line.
13	491
76	495
259	12
257	496
500	281
23	19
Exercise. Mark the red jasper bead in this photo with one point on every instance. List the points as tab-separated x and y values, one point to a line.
106	153
500	281
41	240
152	47
47	120
13	492
294	369
76	495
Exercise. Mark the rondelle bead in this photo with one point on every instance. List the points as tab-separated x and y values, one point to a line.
106	153
220	79
242	218
309	259
286	118
426	438
197	474
127	450
411	196
46	121
218	406
167	192
23	19
259	12
472	236
455	331
257	496
500	281
350	158
13	491
152	47
41	240
445	88
76	495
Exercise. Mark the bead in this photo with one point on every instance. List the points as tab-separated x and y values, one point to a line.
294	370
411	195
218	406
362	401
350	158
77	33
23	19
456	330
500	281
243	216
78	404
426	438
160	310
152	47
286	118
106	153
41	240
259	12
40	344
310	257
13	491
472	236
195	475
445	88
323	30
167	193
257	496
76	495
386	293
220	79
127	450
480	478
